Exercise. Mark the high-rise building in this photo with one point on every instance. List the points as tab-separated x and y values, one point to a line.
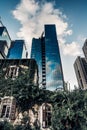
85	49
5	42
17	50
80	66
36	54
45	51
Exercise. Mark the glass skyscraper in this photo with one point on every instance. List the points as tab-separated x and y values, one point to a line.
45	51
5	42
17	50
36	54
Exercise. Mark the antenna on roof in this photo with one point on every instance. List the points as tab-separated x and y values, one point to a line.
42	34
1	24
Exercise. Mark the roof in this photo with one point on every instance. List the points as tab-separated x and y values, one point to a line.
2	29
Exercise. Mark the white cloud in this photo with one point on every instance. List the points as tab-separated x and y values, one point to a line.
25	10
33	15
69	32
81	38
72	49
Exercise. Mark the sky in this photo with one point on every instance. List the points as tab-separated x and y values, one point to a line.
25	19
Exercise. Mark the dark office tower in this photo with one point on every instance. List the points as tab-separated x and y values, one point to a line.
80	66
85	49
17	50
5	42
36	54
45	51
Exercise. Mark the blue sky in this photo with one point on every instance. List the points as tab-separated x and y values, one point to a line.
25	19
75	10
6	6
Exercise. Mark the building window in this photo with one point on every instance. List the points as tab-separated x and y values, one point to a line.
12	72
46	115
7	111
8	107
3	111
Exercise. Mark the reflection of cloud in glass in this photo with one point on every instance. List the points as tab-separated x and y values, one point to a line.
48	67
54	84
57	72
54	74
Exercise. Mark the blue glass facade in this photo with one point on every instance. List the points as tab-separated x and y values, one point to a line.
5	42
36	54
17	50
54	74
46	52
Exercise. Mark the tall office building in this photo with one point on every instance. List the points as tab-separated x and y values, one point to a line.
45	51
5	42
17	50
85	49
36	54
80	66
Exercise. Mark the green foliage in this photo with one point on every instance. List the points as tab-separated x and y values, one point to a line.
6	126
25	124
70	111
69	108
6	85
22	88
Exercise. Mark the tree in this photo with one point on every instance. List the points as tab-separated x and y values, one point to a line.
6	126
71	114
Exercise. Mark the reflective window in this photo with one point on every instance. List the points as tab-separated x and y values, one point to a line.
16	50
36	54
5	37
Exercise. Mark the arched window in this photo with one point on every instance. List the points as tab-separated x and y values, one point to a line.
8	108
46	115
